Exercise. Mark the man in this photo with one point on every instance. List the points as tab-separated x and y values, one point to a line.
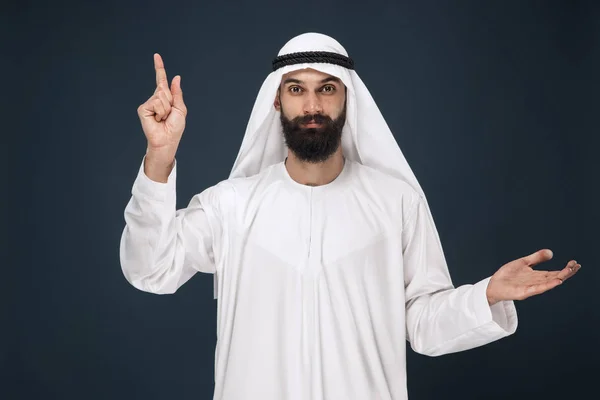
325	254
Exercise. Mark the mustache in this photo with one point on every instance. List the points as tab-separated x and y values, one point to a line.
317	118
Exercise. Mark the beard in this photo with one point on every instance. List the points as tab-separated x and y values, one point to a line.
313	145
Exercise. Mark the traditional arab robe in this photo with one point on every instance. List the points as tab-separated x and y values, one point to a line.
319	288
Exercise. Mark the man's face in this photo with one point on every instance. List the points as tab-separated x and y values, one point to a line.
313	113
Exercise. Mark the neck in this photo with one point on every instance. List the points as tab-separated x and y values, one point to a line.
315	174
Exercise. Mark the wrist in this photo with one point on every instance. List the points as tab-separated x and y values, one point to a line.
158	167
488	294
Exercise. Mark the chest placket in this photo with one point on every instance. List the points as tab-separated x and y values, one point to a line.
315	239
309	298
307	233
310	224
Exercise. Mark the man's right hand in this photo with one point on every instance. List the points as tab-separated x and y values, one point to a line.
163	121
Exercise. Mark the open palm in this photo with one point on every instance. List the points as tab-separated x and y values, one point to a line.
517	280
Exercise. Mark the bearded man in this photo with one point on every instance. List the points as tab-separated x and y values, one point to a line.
324	251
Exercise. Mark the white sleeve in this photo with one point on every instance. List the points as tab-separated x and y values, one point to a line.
162	248
441	319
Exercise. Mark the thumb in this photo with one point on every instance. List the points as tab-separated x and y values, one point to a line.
177	93
538	257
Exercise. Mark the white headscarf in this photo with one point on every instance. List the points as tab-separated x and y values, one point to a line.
366	137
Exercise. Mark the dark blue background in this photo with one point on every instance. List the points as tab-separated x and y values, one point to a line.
495	105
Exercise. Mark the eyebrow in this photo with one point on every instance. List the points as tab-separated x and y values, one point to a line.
328	79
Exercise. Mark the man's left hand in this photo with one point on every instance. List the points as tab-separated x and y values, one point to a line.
517	280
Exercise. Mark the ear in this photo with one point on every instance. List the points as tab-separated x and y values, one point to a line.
277	102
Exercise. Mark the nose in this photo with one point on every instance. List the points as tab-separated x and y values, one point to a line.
312	104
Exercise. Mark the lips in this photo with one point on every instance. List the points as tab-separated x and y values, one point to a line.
312	124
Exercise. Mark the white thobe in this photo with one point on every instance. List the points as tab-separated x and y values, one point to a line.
319	288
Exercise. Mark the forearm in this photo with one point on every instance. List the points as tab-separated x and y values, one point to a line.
457	319
440	318
151	255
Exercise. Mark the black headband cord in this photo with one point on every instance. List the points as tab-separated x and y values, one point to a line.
313	57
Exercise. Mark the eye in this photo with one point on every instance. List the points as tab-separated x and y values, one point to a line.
328	88
294	89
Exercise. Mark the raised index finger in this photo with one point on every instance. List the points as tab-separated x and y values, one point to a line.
159	66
